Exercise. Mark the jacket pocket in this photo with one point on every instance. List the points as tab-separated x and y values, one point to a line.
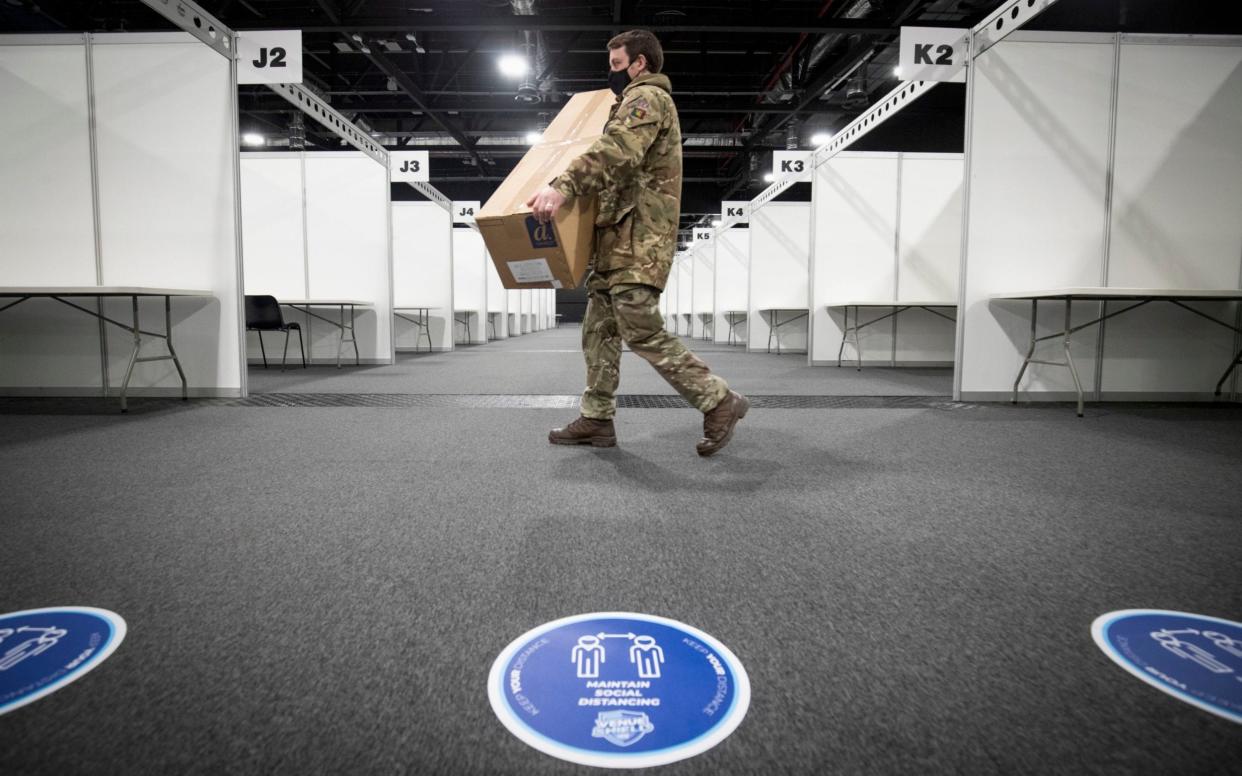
614	244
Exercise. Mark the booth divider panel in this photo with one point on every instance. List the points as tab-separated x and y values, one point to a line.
929	254
731	279
422	270
1177	196
273	244
1037	200
470	281
347	249
45	191
779	271
855	251
167	202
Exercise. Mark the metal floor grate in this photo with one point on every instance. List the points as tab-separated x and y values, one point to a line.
94	405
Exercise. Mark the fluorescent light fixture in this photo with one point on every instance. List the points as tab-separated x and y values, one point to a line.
820	138
253	139
897	71
768	177
513	65
533	137
717	222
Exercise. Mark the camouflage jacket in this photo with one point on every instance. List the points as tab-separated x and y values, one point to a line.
635	169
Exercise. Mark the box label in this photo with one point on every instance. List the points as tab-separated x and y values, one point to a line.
541	235
531	271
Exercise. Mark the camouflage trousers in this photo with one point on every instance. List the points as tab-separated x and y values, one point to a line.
631	313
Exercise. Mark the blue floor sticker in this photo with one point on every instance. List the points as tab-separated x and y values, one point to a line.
619	690
1194	658
42	650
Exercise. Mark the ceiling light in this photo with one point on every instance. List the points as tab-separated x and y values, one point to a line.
253	139
342	46
897	71
820	138
417	46
513	65
717	222
533	137
393	46
768	177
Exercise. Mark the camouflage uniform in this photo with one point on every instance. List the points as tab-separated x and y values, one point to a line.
635	170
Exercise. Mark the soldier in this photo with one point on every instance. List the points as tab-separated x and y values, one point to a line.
635	171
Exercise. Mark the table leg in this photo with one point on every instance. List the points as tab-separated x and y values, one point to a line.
185	391
1030	350
133	358
1232	365
1069	361
845	333
857	341
353	334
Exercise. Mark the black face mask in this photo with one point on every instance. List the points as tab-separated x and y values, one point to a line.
618	80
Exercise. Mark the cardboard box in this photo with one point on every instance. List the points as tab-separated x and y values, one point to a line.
528	254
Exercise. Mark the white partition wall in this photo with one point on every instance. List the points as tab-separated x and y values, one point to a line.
703	298
731	261
887	228
527	297
672	295
422	254
315	226
514	301
1175	219
780	237
1046	139
497	303
149	200
685	295
274	226
347	248
469	285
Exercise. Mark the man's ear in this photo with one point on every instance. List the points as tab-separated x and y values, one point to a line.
642	61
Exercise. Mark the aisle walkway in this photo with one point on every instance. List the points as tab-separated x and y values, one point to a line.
550	362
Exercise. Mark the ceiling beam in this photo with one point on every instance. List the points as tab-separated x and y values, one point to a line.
595	24
502	105
411	89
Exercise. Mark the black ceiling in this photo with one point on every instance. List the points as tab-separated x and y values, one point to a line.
423	73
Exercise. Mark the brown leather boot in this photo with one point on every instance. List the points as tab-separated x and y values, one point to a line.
718	423
585	431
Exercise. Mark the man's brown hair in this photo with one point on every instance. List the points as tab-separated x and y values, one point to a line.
640	42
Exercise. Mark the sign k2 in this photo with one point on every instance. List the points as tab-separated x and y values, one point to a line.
269	57
407	166
932	54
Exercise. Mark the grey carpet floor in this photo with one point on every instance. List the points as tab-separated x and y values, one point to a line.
551	362
323	590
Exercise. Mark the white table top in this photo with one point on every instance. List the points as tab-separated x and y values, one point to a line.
405	309
903	303
1135	294
99	291
326	302
733	312
783	310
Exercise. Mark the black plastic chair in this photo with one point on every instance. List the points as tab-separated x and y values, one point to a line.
263	314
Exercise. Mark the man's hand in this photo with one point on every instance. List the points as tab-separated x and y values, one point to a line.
545	204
